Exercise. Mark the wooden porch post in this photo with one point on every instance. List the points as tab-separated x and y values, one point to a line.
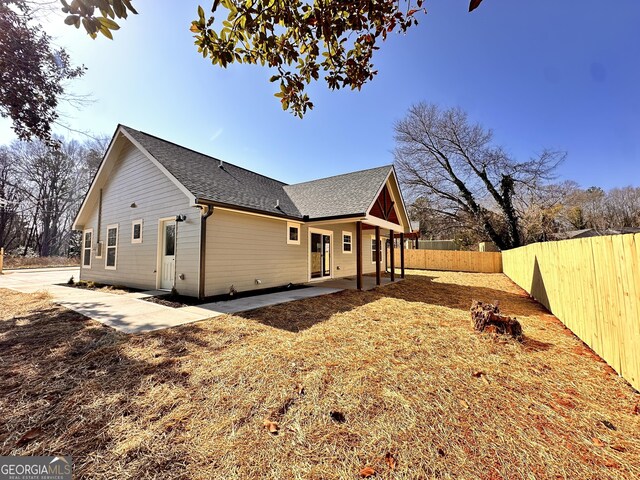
392	255
417	244
401	254
359	255
378	248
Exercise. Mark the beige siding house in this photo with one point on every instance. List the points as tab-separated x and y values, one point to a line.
161	216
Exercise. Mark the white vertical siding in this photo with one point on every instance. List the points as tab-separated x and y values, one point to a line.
135	179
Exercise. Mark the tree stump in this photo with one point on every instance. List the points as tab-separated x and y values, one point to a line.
487	318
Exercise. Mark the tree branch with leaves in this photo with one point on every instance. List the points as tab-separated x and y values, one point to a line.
302	41
32	72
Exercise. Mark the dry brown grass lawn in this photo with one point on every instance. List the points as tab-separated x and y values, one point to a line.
40	262
398	364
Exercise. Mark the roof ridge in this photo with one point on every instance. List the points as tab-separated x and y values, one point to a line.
390	165
204	154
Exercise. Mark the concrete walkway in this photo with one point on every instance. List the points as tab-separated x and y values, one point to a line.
129	313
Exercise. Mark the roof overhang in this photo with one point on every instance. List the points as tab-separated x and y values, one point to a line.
396	195
76	222
247	210
379	222
335	218
106	166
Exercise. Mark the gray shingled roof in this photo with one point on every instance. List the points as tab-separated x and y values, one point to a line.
231	185
341	195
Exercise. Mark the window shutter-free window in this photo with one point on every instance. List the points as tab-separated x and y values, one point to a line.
375	246
293	233
87	241
136	231
347	242
112	247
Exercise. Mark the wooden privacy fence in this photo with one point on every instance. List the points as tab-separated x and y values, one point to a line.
593	286
456	261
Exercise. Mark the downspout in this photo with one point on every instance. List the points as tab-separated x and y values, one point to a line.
98	245
208	211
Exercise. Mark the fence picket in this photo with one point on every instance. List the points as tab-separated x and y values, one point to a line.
455	261
593	286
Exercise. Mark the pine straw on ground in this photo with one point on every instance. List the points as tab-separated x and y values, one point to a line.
349	378
99	287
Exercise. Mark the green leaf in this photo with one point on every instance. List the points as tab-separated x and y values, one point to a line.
201	13
88	26
119	9
129	6
108	23
106	32
71	19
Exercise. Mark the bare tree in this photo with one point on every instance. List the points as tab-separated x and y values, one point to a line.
50	181
441	155
623	207
12	223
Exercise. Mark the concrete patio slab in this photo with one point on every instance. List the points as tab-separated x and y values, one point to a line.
129	313
259	301
350	283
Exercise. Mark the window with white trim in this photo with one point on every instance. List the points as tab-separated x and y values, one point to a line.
347	242
136	231
375	246
87	244
293	233
112	247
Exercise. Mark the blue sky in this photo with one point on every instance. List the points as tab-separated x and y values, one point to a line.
544	73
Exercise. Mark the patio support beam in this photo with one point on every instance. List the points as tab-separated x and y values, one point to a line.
378	245
392	255
359	255
401	254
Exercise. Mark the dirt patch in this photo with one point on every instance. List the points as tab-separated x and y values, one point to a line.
351	379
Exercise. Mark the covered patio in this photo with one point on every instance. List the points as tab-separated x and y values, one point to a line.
365	282
379	231
350	283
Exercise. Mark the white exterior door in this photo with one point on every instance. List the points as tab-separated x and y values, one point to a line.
168	255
